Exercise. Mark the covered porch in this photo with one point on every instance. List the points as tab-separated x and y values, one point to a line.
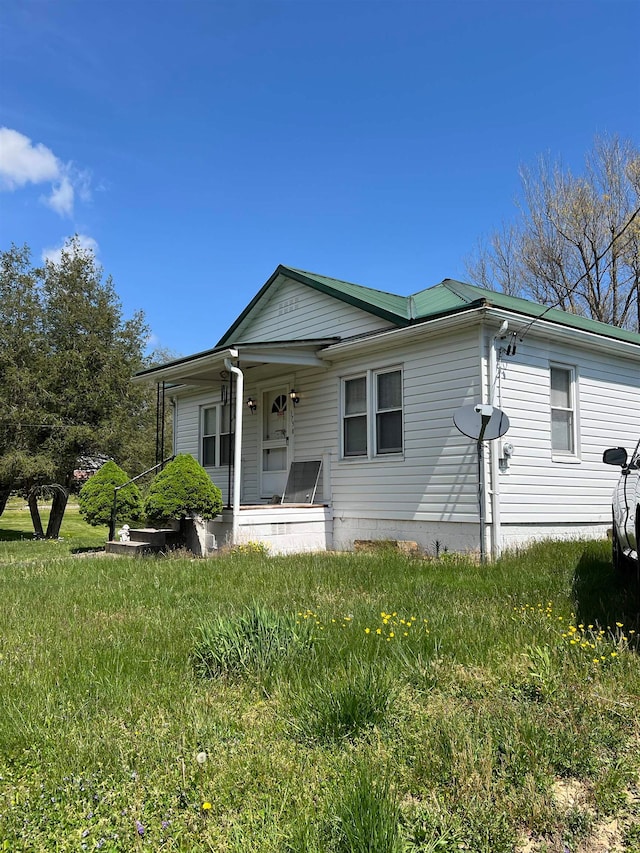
269	487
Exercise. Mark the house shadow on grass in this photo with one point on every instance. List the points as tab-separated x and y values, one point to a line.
602	596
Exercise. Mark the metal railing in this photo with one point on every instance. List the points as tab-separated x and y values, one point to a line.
114	507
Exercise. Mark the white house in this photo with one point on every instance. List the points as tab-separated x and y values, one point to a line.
365	384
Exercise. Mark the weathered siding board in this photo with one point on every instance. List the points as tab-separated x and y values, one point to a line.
539	489
295	311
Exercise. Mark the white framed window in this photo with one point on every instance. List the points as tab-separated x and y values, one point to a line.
388	386
372	414
216	436
355	428
562	380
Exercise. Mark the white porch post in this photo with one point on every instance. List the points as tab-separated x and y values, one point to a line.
237	445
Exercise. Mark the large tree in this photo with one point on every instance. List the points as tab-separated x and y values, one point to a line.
576	241
66	359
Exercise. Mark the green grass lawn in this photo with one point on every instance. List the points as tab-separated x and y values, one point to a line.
316	703
16	531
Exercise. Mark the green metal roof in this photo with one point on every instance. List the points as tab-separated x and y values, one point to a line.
448	297
451	295
388	306
365	297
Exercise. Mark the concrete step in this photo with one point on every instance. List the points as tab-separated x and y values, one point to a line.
153	535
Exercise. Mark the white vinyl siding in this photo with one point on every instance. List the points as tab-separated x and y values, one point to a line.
541	488
295	311
434	479
430	489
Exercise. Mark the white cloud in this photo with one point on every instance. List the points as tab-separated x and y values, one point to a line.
84	241
22	162
62	197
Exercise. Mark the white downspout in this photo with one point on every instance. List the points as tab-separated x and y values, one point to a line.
496	530
237	444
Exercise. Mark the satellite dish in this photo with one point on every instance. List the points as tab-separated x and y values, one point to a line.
481	422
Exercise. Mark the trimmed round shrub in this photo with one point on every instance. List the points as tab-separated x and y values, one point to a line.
96	497
181	490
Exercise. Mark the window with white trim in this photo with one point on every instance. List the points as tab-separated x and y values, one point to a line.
216	436
355	416
372	419
563	410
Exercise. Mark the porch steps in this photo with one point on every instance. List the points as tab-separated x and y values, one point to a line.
143	540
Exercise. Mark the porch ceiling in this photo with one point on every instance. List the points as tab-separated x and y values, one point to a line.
205	368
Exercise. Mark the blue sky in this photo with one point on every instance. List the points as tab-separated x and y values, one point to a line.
197	145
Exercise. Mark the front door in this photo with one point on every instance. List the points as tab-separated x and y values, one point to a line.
276	444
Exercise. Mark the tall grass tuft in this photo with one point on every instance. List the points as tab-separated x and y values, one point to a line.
251	643
356	697
365	813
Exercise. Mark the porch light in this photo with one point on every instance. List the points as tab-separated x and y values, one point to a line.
251	403
293	395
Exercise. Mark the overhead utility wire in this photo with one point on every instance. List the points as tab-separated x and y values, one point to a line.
525	329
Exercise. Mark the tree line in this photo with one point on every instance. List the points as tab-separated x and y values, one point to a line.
67	356
574	243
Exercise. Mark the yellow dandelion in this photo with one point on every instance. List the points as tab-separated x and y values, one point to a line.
367	630
392	634
206	805
378	630
614	654
619	624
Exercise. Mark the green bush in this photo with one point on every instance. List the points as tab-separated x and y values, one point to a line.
96	497
181	490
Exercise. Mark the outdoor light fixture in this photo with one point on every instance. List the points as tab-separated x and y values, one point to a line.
295	399
251	403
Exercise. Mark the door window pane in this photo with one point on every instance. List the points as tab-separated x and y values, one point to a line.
274	459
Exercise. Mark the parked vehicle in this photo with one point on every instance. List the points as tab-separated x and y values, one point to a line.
626	507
